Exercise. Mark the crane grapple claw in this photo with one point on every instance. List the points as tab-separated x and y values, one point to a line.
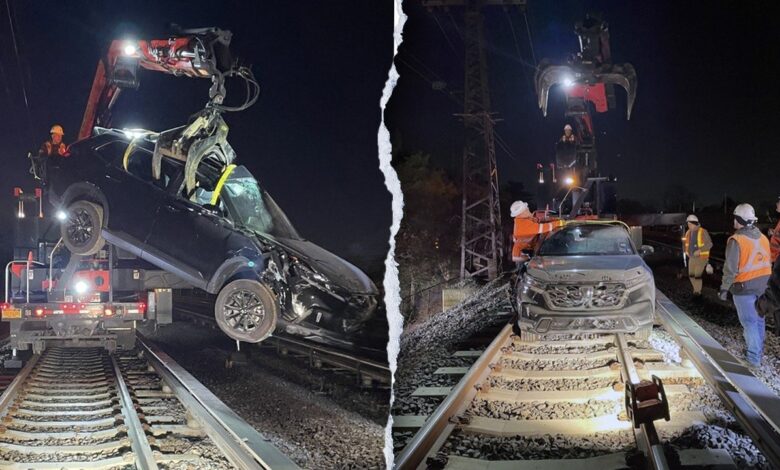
589	83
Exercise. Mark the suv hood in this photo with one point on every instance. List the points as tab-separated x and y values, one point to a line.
337	270
586	268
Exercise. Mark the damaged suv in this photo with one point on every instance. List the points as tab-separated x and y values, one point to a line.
211	224
586	278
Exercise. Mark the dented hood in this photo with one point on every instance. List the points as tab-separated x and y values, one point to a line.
337	270
586	268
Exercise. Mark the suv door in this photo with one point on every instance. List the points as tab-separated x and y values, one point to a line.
131	195
194	237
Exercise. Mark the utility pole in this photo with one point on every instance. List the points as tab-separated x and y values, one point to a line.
481	246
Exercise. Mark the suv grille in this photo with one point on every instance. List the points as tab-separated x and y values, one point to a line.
597	296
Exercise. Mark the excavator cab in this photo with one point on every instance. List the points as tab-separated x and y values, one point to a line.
565	155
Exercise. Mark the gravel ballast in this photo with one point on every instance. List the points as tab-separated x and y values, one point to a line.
315	431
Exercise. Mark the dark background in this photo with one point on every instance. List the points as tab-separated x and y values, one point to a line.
310	139
704	117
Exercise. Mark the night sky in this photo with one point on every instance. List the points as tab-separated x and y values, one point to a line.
310	139
704	117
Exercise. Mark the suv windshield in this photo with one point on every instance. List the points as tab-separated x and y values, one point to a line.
580	240
253	208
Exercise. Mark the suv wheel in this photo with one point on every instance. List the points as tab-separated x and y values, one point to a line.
81	231
246	310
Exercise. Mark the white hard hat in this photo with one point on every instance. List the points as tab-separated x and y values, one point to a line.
56	129
692	218
745	212
567	126
517	208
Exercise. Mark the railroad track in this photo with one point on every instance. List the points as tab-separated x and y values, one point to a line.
548	403
84	408
368	372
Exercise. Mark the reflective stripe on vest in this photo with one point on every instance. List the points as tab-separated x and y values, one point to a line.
754	259
699	242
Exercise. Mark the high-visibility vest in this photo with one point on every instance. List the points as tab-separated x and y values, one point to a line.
754	257
699	242
526	230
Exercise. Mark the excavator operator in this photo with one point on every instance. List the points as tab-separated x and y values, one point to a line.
54	147
568	135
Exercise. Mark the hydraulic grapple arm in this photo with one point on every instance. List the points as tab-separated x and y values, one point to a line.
199	53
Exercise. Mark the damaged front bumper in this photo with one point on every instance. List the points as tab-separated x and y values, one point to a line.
536	315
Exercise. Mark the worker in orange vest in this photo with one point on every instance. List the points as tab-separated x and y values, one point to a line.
774	235
696	246
746	274
527	230
54	147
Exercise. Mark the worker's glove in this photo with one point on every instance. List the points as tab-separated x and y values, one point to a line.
723	295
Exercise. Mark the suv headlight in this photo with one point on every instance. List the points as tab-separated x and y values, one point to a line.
532	283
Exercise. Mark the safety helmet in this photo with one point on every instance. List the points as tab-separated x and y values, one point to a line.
745	212
692	218
56	129
567	127
517	208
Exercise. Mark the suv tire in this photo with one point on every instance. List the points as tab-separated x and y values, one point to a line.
82	230
246	310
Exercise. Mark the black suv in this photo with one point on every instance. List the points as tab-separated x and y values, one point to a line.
224	234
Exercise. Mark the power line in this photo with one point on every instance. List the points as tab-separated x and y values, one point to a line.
19	65
499	140
446	36
422	64
530	40
514	36
517	49
455	24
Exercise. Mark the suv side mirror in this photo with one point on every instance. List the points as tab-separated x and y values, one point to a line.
645	250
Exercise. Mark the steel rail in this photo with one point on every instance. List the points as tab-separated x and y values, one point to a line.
754	405
646	436
340	359
12	391
144	458
242	444
440	424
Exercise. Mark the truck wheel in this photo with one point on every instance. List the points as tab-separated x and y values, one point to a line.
246	310
82	231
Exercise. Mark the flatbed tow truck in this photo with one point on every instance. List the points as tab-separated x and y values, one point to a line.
55	298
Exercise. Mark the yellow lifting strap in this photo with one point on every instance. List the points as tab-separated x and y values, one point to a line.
215	195
128	151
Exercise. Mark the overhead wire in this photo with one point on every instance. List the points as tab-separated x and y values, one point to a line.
19	65
446	36
517	48
530	39
422	64
497	137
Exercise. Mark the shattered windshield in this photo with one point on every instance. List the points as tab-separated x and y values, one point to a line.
581	240
253	208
